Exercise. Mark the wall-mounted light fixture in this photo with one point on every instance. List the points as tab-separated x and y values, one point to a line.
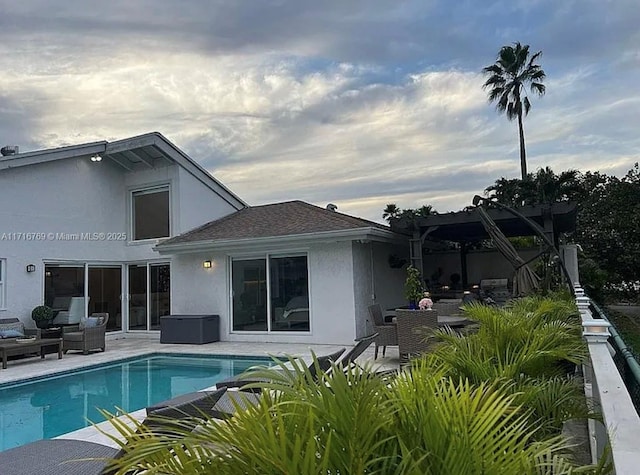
206	264
31	268
96	158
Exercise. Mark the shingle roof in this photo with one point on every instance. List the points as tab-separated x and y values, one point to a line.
272	220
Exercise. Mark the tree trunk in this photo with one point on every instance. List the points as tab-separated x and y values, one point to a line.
523	153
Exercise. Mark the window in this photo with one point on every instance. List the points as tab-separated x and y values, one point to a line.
2	281
285	307
150	213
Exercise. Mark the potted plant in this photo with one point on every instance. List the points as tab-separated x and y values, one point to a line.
42	315
413	287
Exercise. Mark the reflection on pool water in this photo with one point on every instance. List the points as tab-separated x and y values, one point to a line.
52	406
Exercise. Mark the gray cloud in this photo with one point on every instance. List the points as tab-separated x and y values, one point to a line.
361	103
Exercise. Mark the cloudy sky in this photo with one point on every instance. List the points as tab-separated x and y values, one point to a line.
359	103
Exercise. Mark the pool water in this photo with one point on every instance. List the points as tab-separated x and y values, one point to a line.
52	406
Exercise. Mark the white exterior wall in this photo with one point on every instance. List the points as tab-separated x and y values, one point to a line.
197	203
389	282
363	285
76	195
331	287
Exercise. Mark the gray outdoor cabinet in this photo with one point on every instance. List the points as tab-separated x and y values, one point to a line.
192	329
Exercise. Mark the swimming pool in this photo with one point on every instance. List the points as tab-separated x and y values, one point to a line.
52	406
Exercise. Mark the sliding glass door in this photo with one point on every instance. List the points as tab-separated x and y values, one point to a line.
149	295
249	295
64	285
105	294
270	294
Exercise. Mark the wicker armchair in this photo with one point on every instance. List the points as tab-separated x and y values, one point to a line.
88	337
413	339
387	334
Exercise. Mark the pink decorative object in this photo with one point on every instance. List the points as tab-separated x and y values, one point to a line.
425	304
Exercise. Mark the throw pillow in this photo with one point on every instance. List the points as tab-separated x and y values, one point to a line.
92	322
11	334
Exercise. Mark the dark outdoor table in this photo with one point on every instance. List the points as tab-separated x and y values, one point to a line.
14	348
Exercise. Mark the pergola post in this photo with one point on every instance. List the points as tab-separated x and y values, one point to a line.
463	264
415	252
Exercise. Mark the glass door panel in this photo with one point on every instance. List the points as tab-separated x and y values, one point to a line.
105	290
137	297
289	293
62	286
159	292
249	286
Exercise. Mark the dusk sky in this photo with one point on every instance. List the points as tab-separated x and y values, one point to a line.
358	103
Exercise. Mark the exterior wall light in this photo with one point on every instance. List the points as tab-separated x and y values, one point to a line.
31	268
206	264
96	158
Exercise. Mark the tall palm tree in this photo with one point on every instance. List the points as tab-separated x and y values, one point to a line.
509	76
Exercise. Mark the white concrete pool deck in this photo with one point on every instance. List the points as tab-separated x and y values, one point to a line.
26	368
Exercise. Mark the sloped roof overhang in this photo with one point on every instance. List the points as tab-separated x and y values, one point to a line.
147	151
365	234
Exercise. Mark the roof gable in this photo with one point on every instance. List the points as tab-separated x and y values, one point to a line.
135	153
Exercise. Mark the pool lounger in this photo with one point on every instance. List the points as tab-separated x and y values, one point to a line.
324	365
78	457
56	457
241	381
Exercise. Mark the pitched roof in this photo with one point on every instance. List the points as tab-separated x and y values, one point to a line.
273	220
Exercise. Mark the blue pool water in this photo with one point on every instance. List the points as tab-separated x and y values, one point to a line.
51	406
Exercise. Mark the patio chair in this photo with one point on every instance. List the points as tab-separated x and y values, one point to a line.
79	457
413	325
315	368
387	333
90	334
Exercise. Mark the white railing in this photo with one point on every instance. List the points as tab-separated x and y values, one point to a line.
605	387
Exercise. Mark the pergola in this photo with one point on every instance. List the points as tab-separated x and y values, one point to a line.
465	227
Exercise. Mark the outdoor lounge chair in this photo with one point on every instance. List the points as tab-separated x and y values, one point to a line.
231	401
321	365
79	457
90	334
362	344
387	333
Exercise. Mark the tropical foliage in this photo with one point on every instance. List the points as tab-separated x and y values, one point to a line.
391	211
508	79
499	412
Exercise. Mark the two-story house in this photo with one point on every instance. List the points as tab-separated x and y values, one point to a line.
139	230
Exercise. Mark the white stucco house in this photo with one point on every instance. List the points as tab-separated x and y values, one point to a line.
139	230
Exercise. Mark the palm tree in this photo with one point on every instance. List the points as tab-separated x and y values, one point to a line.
391	211
509	76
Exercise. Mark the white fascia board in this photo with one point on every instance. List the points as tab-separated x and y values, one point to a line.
197	171
282	242
43	156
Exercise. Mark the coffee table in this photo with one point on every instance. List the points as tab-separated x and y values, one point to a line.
15	348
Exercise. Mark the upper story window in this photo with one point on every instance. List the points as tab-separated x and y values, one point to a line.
150	213
3	267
